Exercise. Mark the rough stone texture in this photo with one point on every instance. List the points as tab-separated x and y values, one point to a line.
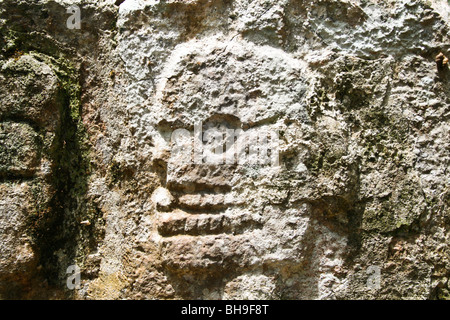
355	89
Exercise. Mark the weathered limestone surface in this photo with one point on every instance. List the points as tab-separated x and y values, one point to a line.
356	208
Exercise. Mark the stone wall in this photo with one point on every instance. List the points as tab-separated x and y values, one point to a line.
114	131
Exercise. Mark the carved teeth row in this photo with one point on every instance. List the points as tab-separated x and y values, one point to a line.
207	201
181	223
165	201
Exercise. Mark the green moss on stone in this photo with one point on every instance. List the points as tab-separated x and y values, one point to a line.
400	212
